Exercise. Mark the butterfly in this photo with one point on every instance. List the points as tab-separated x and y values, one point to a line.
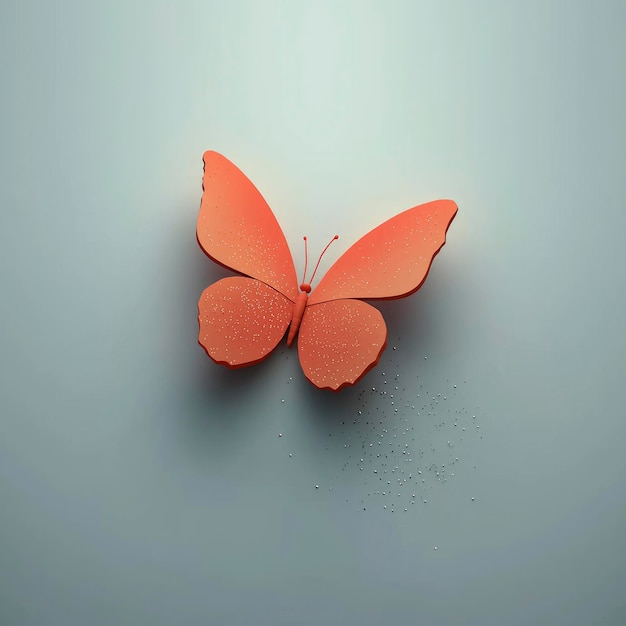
340	337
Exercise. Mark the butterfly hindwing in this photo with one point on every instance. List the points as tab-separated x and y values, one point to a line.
340	341
242	320
238	230
393	259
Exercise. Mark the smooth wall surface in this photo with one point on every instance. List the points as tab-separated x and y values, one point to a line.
477	476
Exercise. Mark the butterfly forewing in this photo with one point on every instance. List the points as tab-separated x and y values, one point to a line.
241	320
238	230
392	260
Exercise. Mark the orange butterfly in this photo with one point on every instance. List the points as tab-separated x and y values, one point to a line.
340	338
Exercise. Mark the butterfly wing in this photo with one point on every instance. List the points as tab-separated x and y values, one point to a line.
393	259
341	338
339	341
238	230
242	320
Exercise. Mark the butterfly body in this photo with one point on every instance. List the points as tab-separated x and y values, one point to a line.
340	337
298	312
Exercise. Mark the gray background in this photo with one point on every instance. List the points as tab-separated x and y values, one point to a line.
141	483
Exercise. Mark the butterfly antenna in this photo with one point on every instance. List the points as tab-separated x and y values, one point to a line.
321	255
306	258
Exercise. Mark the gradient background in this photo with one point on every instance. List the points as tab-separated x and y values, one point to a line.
142	484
